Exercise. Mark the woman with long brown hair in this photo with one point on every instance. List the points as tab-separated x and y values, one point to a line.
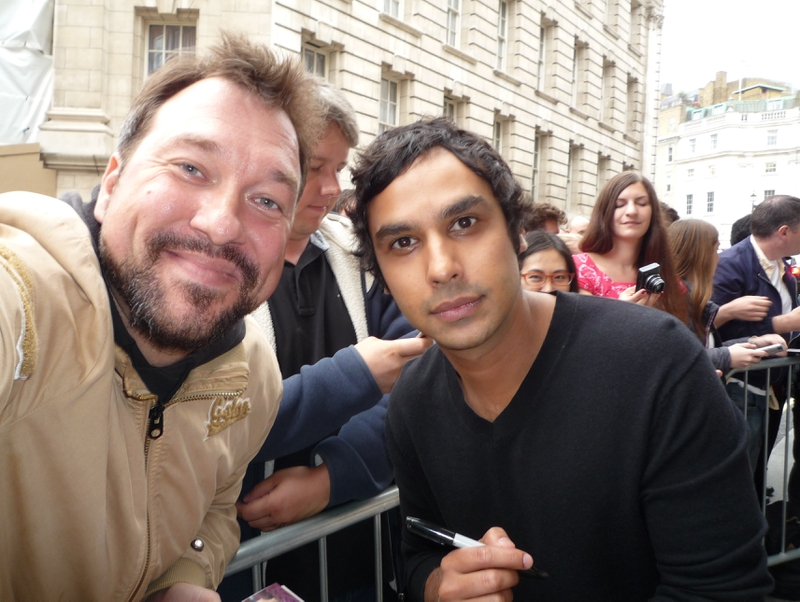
626	233
694	244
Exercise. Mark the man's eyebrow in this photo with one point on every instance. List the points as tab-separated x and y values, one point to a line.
460	206
209	146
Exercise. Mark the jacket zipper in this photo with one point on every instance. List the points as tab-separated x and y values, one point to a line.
158	420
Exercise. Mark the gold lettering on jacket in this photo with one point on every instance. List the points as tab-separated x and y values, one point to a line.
224	412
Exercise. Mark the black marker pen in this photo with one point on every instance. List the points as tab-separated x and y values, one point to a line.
444	537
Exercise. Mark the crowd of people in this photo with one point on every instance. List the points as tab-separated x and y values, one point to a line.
203	351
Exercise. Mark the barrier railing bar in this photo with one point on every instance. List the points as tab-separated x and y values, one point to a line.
378	559
322	544
768	365
275	543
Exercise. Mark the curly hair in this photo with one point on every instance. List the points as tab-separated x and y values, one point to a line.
394	151
543	213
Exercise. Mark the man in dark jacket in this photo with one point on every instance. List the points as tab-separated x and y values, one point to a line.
755	266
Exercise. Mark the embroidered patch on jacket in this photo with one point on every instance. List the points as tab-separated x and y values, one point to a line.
28	341
224	412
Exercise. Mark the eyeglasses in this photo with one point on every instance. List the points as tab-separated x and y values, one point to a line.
538	279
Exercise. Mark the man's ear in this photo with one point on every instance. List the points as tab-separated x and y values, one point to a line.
783	230
107	185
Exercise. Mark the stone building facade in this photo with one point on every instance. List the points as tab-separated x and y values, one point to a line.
565	89
717	162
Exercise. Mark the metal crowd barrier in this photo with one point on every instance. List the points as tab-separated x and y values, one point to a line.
269	545
788	459
274	543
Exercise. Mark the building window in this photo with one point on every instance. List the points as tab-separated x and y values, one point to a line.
713	141
315	60
449	108
690	173
388	108
669	183
689	203
770	167
497	135
502	35
710	202
768	193
772	137
540	68
692	144
392	8
712	170
669	154
671	124
453	14
168	41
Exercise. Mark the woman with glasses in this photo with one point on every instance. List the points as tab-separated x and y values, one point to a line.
546	264
625	233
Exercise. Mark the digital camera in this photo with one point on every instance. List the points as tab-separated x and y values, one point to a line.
650	279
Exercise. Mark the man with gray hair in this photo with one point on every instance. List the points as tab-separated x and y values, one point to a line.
756	267
325	321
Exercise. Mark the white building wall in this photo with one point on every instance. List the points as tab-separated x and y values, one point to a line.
100	63
739	163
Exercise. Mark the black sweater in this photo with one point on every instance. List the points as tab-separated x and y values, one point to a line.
620	464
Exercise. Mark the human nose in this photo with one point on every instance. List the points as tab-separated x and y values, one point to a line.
330	186
547	287
443	265
217	216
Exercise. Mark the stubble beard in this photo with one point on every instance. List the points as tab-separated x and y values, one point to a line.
139	287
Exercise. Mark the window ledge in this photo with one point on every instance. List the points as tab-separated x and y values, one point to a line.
606	126
546	96
507	77
579	4
578	112
633	49
610	31
459	53
630	138
401	25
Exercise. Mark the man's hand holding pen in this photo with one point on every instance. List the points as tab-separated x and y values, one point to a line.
473	572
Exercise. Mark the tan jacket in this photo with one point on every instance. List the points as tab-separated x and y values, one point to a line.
90	508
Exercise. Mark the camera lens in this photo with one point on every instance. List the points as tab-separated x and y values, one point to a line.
654	284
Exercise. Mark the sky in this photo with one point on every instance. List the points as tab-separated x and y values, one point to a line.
745	39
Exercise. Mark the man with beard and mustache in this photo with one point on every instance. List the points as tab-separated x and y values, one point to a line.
589	435
323	320
133	391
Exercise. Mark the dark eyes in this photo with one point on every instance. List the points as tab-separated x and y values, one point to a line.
403	242
462	223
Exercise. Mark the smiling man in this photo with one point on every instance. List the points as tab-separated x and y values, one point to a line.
133	392
593	435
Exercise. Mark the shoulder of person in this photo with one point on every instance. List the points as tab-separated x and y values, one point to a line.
339	228
419	374
631	322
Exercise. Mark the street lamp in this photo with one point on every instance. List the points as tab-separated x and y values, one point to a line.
753	199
